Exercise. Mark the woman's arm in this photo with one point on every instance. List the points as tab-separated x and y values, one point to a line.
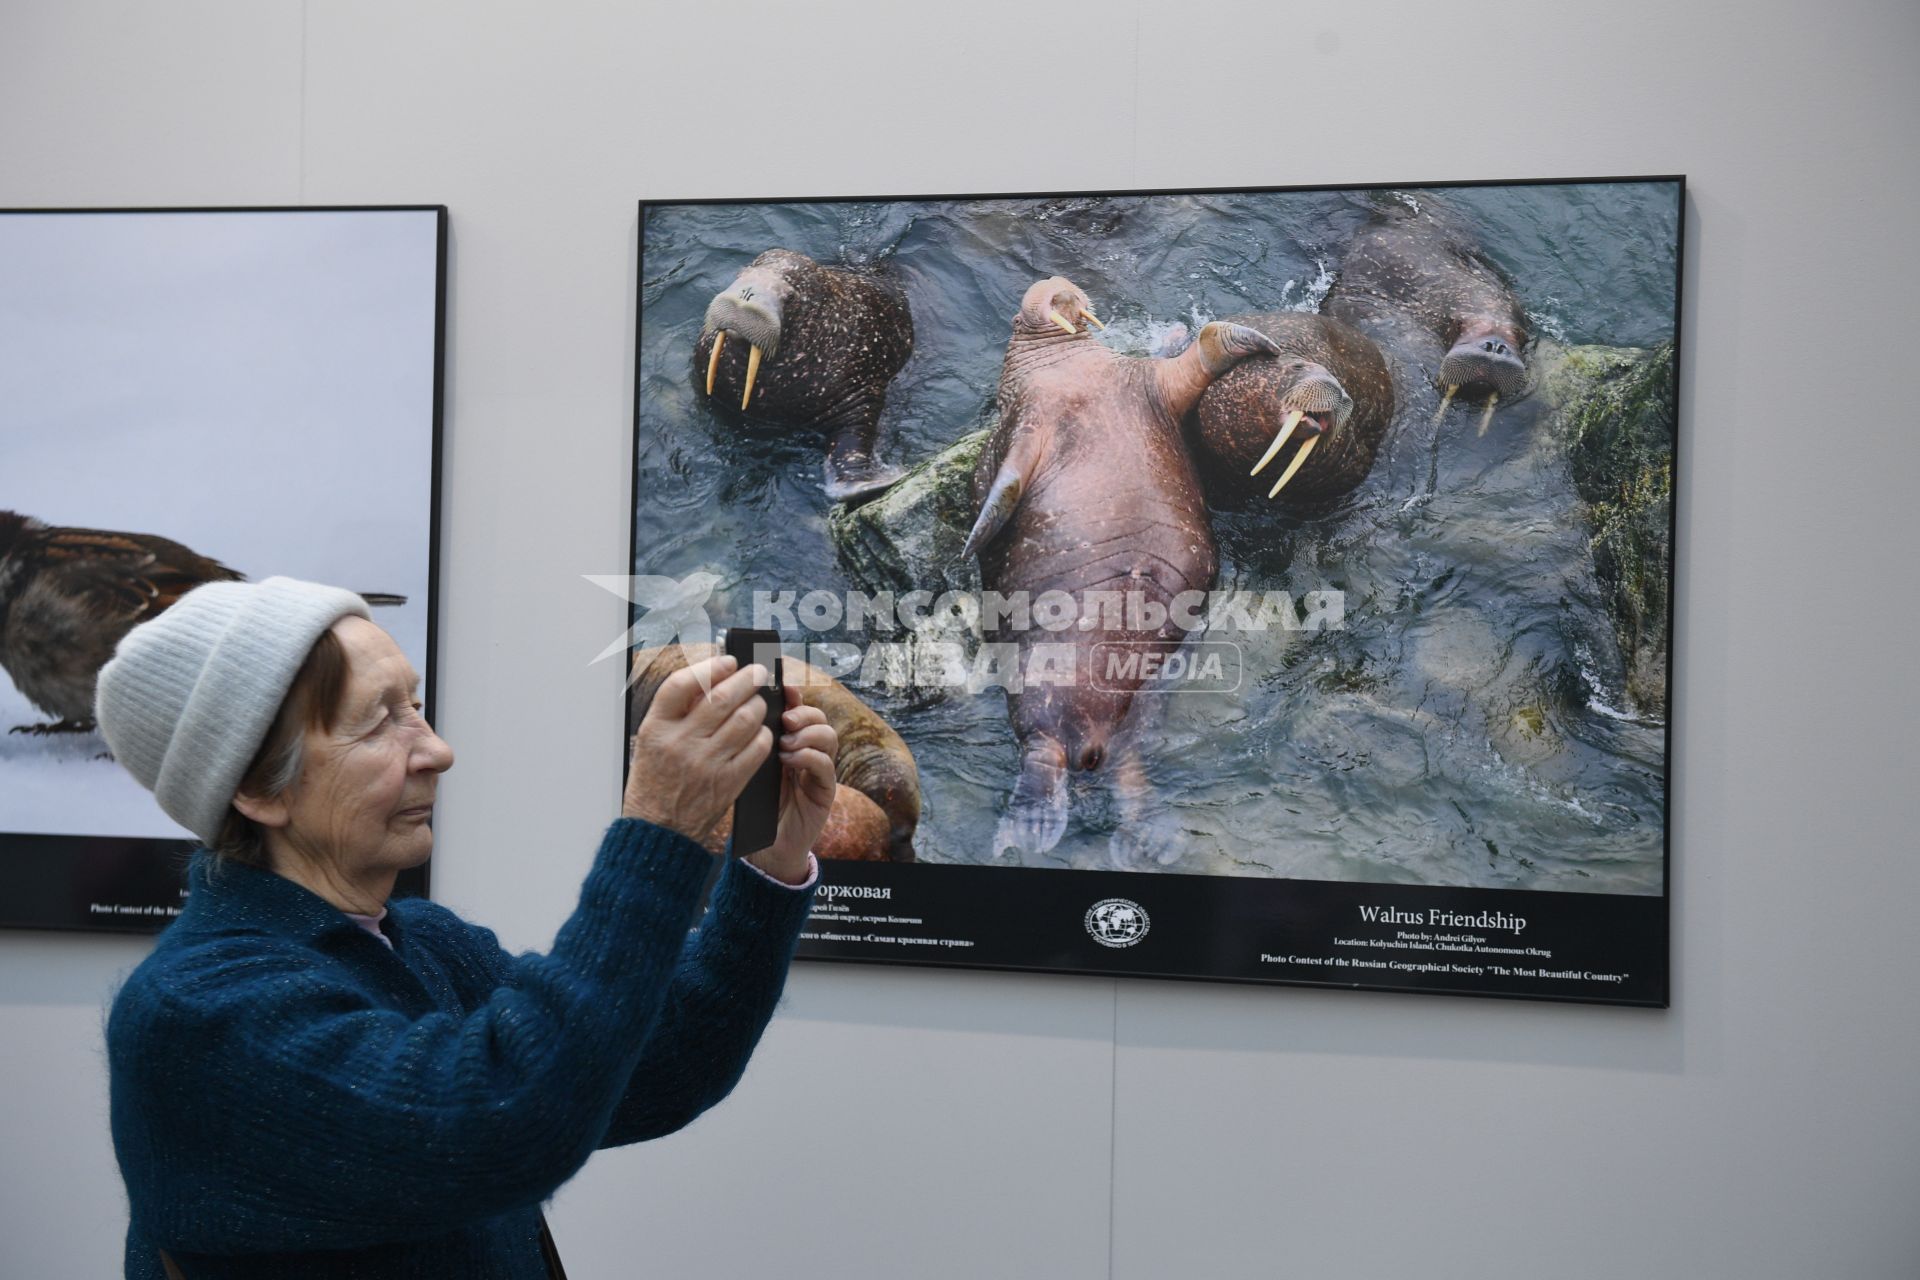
732	971
729	977
722	995
262	1101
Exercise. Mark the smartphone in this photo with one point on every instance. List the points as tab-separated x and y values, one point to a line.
756	812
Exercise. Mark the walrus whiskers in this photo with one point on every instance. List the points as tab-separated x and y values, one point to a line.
1445	400
1273	450
1306	447
713	360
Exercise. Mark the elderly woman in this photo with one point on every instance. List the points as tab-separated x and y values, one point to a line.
311	1080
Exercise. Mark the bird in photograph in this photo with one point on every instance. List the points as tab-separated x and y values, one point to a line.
67	595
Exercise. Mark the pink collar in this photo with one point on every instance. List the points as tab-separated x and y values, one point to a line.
371	924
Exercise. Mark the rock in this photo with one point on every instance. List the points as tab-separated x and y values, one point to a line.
909	538
1613	409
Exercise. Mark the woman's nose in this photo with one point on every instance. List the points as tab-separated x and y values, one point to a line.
435	753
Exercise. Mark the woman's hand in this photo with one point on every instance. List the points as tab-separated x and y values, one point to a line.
698	744
807	751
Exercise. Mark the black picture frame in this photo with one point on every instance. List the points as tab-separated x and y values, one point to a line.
132	884
1604	948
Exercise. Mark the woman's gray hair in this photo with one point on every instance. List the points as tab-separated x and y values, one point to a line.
313	701
241	839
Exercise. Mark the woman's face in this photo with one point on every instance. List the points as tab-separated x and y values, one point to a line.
364	797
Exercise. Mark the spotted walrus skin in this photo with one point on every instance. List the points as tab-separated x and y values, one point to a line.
1086	486
1417	282
797	344
1299	431
876	806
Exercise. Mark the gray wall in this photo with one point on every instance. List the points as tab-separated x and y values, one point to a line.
900	1122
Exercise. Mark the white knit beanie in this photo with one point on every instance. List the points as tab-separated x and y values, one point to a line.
189	696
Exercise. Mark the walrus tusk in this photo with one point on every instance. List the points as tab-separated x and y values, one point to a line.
1445	400
1306	448
1487	417
753	368
1061	320
1091	318
1273	450
713	361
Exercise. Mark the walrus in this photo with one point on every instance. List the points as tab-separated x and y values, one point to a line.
1086	485
1329	396
1419	283
797	344
876	805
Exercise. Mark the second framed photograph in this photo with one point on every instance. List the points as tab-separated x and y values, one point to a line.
190	396
1260	586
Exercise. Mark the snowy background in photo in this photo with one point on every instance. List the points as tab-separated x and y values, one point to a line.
257	386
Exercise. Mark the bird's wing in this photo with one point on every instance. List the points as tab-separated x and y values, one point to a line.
125	577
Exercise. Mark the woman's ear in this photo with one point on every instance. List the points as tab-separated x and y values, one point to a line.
265	810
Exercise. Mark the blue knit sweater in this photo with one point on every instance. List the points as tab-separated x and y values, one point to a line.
290	1098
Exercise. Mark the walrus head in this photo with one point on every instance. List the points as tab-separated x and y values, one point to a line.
1313	405
1485	358
750	308
1054	307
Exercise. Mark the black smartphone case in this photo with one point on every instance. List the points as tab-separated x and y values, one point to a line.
756	812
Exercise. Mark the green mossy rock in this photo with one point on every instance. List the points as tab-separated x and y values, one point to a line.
1613	408
909	538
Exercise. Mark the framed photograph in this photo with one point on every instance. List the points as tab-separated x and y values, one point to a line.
191	395
1246	585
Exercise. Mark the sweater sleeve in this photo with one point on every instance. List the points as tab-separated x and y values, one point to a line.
268	1104
721	998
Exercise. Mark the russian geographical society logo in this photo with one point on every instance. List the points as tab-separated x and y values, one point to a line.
1116	922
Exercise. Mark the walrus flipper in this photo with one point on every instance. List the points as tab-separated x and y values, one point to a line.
1180	380
1148	835
1009	483
1036	815
855	484
853	475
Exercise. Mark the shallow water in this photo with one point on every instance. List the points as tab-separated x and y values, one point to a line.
1465	726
